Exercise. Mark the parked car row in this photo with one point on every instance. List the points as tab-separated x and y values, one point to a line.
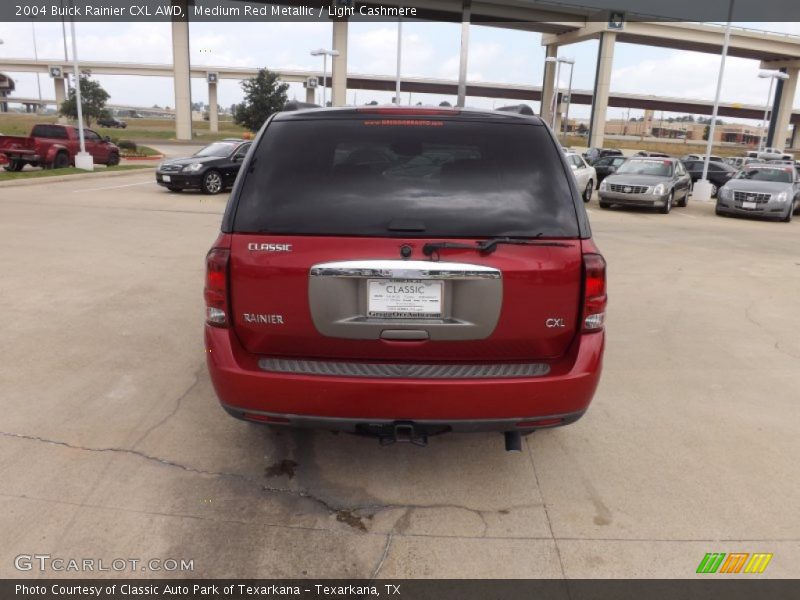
765	187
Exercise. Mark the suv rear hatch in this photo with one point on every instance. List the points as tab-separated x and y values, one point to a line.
355	236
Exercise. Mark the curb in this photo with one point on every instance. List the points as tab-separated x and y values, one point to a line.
153	157
73	177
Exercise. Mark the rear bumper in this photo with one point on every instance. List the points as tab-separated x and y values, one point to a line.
344	403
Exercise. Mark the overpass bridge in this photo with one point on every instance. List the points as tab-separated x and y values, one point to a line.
417	85
559	24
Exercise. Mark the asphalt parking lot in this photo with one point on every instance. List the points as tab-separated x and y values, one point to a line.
112	444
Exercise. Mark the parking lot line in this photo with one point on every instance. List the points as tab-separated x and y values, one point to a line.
683	214
111	187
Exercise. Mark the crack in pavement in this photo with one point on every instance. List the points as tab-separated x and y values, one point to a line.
777	344
350	515
175	410
379	566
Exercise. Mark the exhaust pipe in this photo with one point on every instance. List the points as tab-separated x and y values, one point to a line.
513	441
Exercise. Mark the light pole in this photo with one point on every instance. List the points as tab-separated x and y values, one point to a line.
772	76
324	54
399	56
36	58
83	160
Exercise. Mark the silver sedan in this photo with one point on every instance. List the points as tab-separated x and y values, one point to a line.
763	191
653	182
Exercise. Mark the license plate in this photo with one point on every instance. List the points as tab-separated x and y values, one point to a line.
166	178
404	299
750	205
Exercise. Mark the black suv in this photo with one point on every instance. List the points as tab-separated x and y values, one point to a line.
211	170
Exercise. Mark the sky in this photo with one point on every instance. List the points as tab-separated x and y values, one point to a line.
429	50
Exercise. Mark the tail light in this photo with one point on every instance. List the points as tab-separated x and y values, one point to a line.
594	292
216	290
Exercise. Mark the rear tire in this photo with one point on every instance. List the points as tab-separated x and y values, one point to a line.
15	166
113	159
61	161
212	183
587	193
664	210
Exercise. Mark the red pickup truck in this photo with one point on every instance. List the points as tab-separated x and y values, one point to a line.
53	146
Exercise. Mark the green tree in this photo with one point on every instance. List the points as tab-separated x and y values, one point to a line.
93	101
706	131
263	95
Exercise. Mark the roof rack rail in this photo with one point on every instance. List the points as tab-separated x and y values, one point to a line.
520	109
297	105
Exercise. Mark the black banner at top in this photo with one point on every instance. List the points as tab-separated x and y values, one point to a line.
613	13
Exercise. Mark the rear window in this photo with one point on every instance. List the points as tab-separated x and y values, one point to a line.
49	131
406	177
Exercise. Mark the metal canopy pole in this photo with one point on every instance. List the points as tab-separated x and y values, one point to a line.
704	189
462	68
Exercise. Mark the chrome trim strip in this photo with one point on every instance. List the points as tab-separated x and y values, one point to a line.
403	370
404	269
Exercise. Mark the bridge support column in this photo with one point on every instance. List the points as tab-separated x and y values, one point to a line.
339	67
182	78
61	91
548	84
602	86
61	95
213	111
782	109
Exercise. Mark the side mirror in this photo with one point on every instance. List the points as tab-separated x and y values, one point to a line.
106	139
612	169
238	158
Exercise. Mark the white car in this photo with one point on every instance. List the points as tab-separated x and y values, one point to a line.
585	176
773	154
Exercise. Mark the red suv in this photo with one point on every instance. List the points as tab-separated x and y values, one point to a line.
403	272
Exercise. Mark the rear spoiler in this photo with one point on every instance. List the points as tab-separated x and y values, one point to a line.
297	105
520	109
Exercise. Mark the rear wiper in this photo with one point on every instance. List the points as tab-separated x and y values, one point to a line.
490	245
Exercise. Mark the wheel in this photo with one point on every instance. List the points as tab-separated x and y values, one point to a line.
113	159
15	165
173	188
684	199
212	183
605	204
61	161
797	206
788	217
587	193
668	206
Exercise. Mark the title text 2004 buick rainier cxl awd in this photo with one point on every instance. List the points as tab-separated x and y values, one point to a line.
404	272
